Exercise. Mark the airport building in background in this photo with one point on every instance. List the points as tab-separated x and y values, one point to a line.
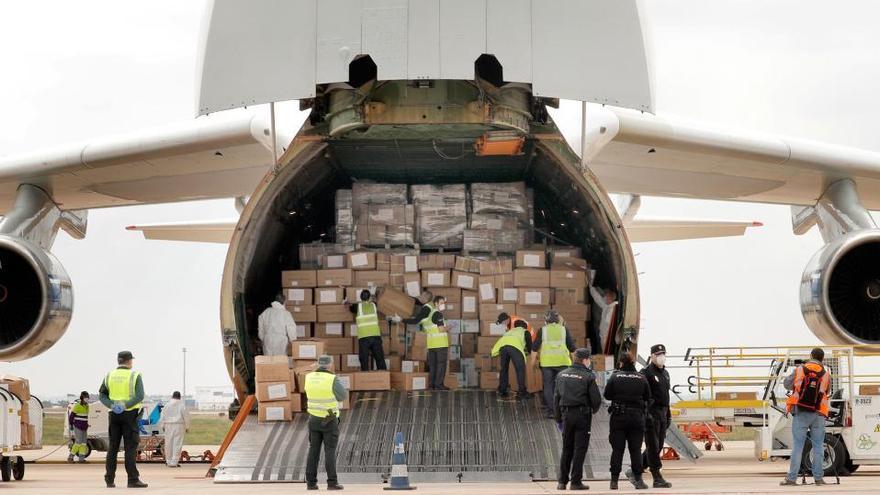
214	398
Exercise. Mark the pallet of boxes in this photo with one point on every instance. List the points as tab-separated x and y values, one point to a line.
20	387
472	244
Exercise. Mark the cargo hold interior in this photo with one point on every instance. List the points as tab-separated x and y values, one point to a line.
299	206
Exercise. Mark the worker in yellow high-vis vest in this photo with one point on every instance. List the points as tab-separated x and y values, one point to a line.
513	347
366	316
430	319
122	390
324	396
555	345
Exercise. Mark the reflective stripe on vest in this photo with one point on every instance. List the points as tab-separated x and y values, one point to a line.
437	337
121	385
824	387
554	352
367	320
515	337
319	394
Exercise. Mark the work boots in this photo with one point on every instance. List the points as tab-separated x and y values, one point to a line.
613	484
334	486
137	484
577	485
659	482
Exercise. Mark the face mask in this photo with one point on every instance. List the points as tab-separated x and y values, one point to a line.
659	360
441	307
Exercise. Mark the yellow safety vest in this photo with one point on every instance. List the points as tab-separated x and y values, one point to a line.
437	337
515	337
554	352
367	320
319	394
121	384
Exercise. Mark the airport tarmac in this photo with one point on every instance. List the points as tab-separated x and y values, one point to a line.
733	470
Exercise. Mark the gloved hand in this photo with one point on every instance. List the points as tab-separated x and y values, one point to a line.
117	408
396	319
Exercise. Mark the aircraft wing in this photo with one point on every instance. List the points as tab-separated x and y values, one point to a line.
219	156
638	153
667	229
219	231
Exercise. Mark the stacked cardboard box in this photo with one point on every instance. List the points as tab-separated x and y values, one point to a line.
501	218
441	215
274	388
21	388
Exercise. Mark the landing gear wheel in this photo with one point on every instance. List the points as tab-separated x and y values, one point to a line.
708	445
18	468
834	459
719	446
5	469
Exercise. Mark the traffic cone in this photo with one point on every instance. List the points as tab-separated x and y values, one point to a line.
399	472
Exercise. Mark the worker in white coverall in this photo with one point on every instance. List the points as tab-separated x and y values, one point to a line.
276	328
175	421
607	303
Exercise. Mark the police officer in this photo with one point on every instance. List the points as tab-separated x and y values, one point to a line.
369	332
324	393
659	416
629	394
576	400
123	391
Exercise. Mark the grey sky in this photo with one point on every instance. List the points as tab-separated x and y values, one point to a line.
73	70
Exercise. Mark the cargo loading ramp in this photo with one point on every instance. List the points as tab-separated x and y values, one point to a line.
466	435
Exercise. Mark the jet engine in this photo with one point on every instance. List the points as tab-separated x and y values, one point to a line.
36	299
840	290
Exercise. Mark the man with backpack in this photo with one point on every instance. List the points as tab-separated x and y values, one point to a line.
810	386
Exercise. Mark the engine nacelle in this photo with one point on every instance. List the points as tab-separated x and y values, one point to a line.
840	290
36	299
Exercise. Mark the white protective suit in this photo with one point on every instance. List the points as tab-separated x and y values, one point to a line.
175	420
276	329
607	315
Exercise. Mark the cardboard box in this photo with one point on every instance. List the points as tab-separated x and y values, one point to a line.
467	343
470	304
463	264
485	344
333	261
470	325
296	402
298	278
576	328
418	351
490	312
268	369
503	281
533	297
412	284
306	313
371	380
568	279
371	278
436	261
569	263
452	311
275	411
392	363
342	277
298	296
329	295
573	312
408	381
564	252
569	296
394	302
530	277
451	294
531	259
488	363
325	330
534	383
307	365
336	346
410	366
335	312
450	381
496	267
346	379
350	362
436	278
304	330
404	263
486	289
489	380
740	395
362	261
508	295
307	349
492	329
869	389
272	391
18	386
533	313
465	280
602	362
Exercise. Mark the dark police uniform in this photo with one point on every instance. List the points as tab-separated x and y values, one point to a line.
630	395
576	399
658	417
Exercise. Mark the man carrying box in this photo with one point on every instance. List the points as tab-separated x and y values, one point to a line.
324	393
430	318
369	332
514	345
555	344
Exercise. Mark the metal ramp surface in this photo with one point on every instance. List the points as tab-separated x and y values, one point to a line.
466	435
